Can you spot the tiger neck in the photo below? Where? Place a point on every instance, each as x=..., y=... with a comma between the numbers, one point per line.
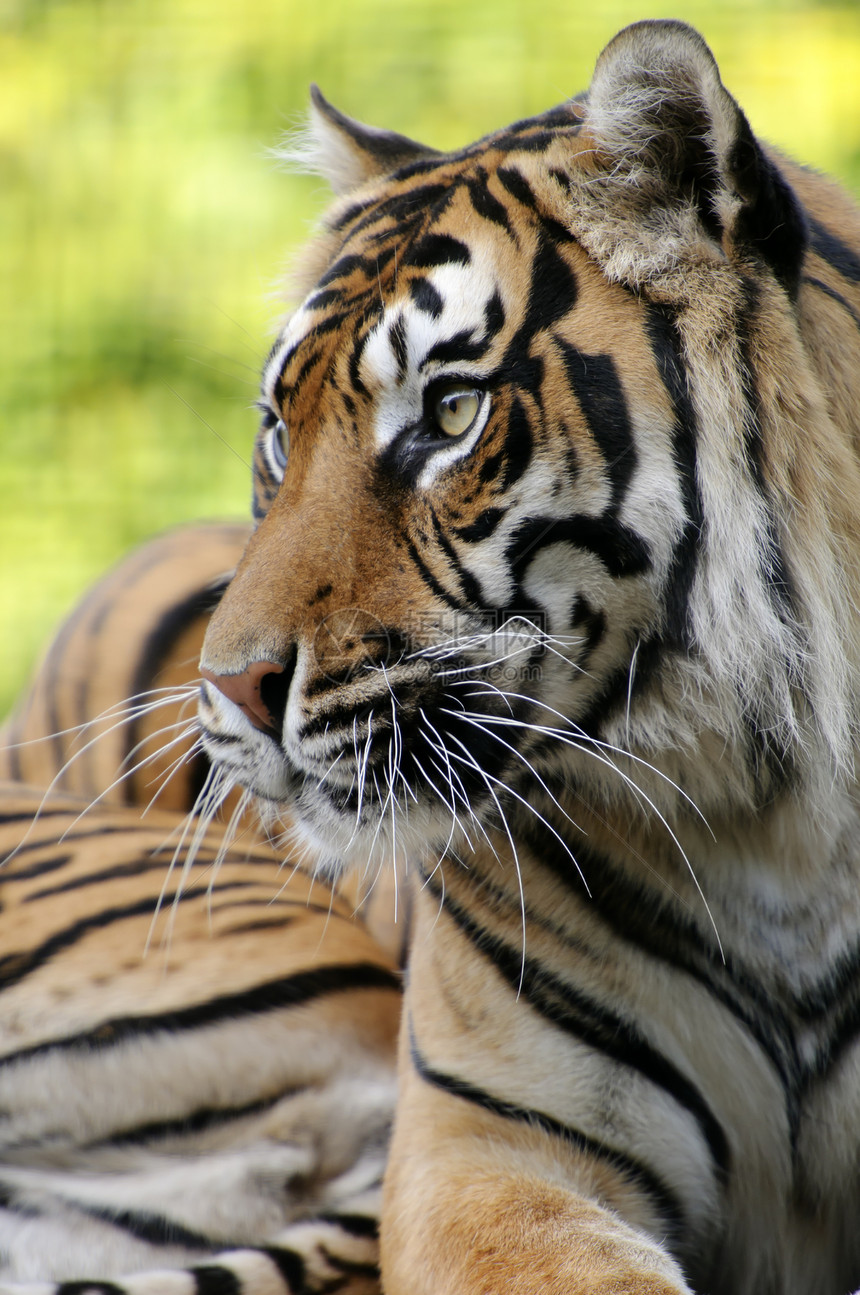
x=774, y=893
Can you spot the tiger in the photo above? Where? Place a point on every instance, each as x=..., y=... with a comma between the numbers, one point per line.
x=110, y=711
x=197, y=1038
x=549, y=613
x=551, y=610
x=229, y=1092
x=109, y=715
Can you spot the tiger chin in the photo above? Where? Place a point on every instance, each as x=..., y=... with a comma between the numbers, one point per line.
x=553, y=603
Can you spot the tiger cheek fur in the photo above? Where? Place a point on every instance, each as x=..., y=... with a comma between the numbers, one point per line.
x=549, y=601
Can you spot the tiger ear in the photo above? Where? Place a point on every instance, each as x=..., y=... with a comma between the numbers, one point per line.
x=348, y=154
x=670, y=168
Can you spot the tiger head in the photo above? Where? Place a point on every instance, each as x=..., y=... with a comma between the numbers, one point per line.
x=551, y=499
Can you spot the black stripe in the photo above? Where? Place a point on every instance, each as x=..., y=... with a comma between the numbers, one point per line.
x=560, y=117
x=600, y=395
x=155, y=1229
x=25, y=815
x=485, y=203
x=591, y=622
x=89, y=1288
x=342, y=268
x=831, y=248
x=642, y=917
x=292, y=1268
x=136, y=868
x=269, y=902
x=668, y=356
x=843, y=1036
x=274, y=995
x=617, y=688
x=352, y=1267
x=427, y=575
x=311, y=361
x=622, y=551
x=576, y=1014
x=494, y=317
x=468, y=583
x=337, y=719
x=355, y=362
x=270, y=924
x=10, y=1200
x=437, y=249
x=553, y=289
x=836, y=296
x=279, y=393
x=397, y=341
x=636, y=1173
x=417, y=199
x=518, y=445
x=517, y=185
x=215, y=1279
x=407, y=210
x=265, y=486
x=346, y=218
x=457, y=348
x=15, y=967
x=536, y=141
x=85, y=833
x=773, y=565
x=426, y=297
x=318, y=301
x=771, y=217
x=328, y=324
x=357, y=1225
x=154, y=860
x=198, y=1121
x=481, y=529
x=40, y=869
x=157, y=648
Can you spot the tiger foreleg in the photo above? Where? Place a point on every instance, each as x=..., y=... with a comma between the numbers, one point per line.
x=474, y=1207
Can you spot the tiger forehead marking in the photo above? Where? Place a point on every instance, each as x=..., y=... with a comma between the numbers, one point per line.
x=420, y=297
x=408, y=300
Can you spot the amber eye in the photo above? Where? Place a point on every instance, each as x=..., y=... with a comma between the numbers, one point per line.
x=455, y=408
x=279, y=439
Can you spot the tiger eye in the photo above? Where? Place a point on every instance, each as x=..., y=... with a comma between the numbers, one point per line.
x=281, y=442
x=456, y=408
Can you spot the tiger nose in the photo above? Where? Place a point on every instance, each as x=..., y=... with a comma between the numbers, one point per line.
x=257, y=691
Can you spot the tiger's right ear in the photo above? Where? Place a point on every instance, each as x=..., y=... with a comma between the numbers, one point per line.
x=670, y=174
x=346, y=153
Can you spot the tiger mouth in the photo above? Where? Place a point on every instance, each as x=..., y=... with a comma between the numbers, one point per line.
x=437, y=749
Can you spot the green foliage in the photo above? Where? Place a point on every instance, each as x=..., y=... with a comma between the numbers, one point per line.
x=143, y=228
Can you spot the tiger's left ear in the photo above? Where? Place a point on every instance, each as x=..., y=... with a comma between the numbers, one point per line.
x=670, y=173
x=348, y=154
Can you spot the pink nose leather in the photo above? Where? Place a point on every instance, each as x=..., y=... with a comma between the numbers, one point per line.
x=244, y=690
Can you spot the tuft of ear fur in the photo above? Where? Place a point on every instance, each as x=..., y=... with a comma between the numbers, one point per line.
x=344, y=152
x=670, y=170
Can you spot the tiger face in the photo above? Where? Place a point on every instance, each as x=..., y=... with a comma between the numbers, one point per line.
x=489, y=571
x=455, y=547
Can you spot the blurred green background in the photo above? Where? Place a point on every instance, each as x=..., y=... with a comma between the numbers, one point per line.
x=143, y=226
